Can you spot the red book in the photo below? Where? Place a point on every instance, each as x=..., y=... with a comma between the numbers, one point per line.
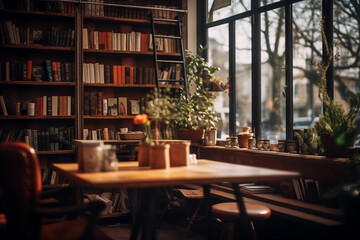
x=144, y=42
x=28, y=70
x=54, y=71
x=119, y=78
x=115, y=73
x=108, y=41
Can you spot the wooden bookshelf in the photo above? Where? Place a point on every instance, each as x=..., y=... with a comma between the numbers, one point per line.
x=36, y=21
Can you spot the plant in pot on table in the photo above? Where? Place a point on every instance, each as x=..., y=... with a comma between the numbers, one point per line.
x=196, y=112
x=336, y=127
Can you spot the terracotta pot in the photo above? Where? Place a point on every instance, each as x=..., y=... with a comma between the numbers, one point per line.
x=210, y=137
x=143, y=155
x=159, y=156
x=179, y=153
x=243, y=140
x=330, y=148
x=195, y=136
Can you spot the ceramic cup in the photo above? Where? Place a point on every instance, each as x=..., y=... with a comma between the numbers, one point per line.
x=266, y=144
x=260, y=144
x=281, y=145
x=251, y=143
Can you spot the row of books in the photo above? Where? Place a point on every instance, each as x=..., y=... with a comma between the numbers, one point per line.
x=50, y=139
x=308, y=190
x=49, y=176
x=115, y=201
x=126, y=12
x=54, y=106
x=12, y=34
x=95, y=104
x=53, y=36
x=91, y=9
x=100, y=134
x=47, y=6
x=25, y=71
x=131, y=41
x=43, y=106
x=117, y=74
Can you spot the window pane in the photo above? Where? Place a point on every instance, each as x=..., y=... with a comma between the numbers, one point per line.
x=218, y=55
x=273, y=74
x=219, y=9
x=347, y=69
x=307, y=48
x=243, y=74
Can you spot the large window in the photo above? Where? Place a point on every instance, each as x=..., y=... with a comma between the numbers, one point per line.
x=262, y=52
x=218, y=55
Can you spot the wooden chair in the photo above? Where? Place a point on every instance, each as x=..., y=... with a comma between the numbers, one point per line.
x=20, y=184
x=229, y=213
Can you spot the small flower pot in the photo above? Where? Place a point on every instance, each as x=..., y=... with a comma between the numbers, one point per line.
x=179, y=153
x=159, y=156
x=243, y=140
x=143, y=155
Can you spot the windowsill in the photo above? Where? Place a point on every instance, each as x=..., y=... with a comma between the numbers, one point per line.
x=310, y=166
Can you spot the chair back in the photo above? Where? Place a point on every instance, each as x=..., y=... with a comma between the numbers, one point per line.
x=20, y=183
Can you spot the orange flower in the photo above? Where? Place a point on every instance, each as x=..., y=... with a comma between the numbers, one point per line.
x=141, y=119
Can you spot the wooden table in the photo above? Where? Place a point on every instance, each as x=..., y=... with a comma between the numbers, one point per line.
x=204, y=172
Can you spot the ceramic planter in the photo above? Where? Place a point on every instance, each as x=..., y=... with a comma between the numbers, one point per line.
x=143, y=155
x=210, y=137
x=179, y=153
x=195, y=136
x=159, y=156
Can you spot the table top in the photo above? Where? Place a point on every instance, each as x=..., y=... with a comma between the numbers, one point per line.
x=130, y=175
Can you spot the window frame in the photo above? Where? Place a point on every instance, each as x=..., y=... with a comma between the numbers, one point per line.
x=254, y=14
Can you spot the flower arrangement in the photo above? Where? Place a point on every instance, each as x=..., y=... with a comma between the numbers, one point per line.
x=161, y=107
x=143, y=119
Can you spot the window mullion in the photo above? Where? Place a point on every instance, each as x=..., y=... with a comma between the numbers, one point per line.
x=289, y=71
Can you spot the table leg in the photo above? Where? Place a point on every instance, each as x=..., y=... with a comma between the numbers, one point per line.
x=207, y=206
x=149, y=230
x=245, y=221
x=145, y=216
x=138, y=216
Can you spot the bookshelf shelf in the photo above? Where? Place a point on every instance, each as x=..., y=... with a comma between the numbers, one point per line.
x=36, y=83
x=125, y=20
x=36, y=47
x=112, y=85
x=107, y=117
x=61, y=152
x=133, y=53
x=22, y=117
x=36, y=13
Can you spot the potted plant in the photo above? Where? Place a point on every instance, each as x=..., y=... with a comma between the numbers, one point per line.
x=310, y=142
x=336, y=127
x=196, y=112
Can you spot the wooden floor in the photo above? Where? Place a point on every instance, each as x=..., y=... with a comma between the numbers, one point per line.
x=168, y=230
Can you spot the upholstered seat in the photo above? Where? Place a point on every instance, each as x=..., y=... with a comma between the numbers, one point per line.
x=20, y=184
